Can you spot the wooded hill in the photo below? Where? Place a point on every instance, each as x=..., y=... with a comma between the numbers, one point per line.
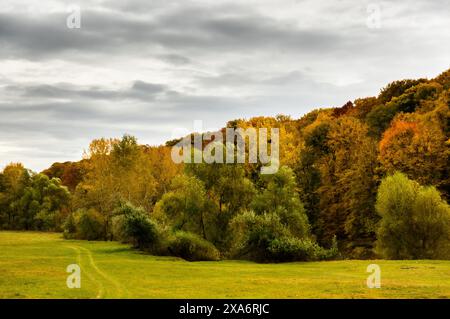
x=372, y=176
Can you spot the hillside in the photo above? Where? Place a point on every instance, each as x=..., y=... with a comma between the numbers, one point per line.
x=333, y=161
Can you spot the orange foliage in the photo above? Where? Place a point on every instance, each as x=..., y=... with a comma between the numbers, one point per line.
x=398, y=128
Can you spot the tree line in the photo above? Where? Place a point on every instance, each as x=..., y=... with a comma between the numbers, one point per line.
x=368, y=179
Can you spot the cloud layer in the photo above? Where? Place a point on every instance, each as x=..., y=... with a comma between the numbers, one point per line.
x=148, y=67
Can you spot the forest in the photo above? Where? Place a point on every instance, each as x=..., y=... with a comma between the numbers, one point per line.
x=366, y=180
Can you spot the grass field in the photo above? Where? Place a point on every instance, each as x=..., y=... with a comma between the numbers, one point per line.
x=33, y=265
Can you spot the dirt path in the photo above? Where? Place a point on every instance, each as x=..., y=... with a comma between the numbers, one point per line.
x=101, y=279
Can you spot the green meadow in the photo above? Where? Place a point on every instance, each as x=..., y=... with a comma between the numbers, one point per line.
x=33, y=265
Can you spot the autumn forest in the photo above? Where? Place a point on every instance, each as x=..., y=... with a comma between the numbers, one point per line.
x=366, y=180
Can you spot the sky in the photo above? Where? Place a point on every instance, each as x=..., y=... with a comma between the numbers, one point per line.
x=151, y=67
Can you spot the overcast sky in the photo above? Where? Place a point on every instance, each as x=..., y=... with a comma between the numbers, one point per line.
x=147, y=67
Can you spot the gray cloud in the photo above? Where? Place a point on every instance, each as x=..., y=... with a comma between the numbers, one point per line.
x=185, y=28
x=139, y=90
x=175, y=59
x=191, y=27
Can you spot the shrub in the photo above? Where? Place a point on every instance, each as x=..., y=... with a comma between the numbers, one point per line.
x=192, y=247
x=290, y=249
x=253, y=233
x=328, y=254
x=132, y=224
x=44, y=220
x=294, y=249
x=265, y=238
x=90, y=225
x=141, y=230
x=118, y=230
x=69, y=227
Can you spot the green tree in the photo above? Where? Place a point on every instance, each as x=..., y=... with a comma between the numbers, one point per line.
x=415, y=221
x=280, y=197
x=397, y=88
x=308, y=174
x=47, y=204
x=43, y=204
x=411, y=99
x=186, y=207
x=226, y=184
x=230, y=191
x=277, y=217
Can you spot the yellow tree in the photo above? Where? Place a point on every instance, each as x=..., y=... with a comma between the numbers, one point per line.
x=98, y=186
x=117, y=171
x=14, y=179
x=163, y=168
x=348, y=184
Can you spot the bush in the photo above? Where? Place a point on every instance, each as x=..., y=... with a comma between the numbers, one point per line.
x=118, y=230
x=290, y=249
x=192, y=247
x=294, y=249
x=69, y=227
x=265, y=238
x=84, y=224
x=133, y=224
x=330, y=253
x=45, y=220
x=142, y=230
x=252, y=235
x=90, y=225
